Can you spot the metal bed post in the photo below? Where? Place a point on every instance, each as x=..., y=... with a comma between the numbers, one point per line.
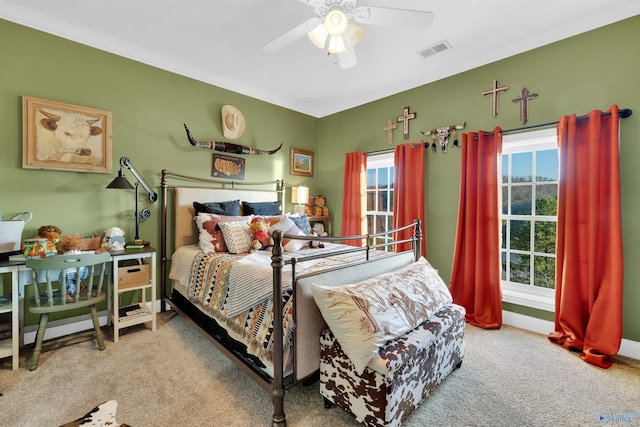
x=163, y=242
x=417, y=242
x=277, y=387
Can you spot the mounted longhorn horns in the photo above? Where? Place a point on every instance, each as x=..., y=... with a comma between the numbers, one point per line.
x=442, y=135
x=228, y=147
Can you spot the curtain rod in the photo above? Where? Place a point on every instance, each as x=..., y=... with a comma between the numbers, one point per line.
x=386, y=150
x=623, y=113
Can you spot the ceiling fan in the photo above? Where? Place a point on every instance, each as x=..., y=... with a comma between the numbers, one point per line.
x=334, y=27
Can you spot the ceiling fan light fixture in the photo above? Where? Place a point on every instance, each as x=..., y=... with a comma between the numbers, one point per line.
x=318, y=36
x=337, y=44
x=336, y=22
x=353, y=34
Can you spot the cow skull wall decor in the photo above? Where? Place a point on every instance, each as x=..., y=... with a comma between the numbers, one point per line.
x=442, y=136
x=228, y=147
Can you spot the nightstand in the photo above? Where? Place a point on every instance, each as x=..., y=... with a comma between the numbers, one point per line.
x=132, y=270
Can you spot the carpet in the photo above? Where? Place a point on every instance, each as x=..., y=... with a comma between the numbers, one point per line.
x=101, y=416
x=175, y=377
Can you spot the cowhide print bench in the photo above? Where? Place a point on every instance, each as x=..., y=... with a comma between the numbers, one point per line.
x=384, y=387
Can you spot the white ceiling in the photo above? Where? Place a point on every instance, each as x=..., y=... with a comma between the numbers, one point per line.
x=219, y=41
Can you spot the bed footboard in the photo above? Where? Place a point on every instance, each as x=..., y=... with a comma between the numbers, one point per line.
x=339, y=275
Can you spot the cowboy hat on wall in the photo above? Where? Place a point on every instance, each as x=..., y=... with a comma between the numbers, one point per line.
x=233, y=122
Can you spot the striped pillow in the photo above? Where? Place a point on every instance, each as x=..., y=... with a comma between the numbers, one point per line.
x=287, y=226
x=237, y=236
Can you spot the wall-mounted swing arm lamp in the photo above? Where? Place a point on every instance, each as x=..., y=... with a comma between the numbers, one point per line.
x=121, y=183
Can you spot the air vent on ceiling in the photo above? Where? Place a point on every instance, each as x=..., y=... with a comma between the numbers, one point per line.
x=435, y=48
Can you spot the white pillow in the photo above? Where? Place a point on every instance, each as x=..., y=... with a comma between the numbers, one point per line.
x=237, y=236
x=287, y=226
x=363, y=316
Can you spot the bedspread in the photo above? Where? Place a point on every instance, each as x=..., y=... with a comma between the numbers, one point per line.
x=208, y=288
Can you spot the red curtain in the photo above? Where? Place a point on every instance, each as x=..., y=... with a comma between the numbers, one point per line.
x=475, y=275
x=408, y=192
x=354, y=220
x=589, y=264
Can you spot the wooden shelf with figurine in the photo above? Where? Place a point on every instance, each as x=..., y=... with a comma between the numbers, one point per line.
x=319, y=216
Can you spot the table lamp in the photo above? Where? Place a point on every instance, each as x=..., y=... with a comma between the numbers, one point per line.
x=121, y=183
x=300, y=198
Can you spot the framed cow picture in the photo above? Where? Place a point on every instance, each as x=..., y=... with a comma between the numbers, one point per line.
x=65, y=137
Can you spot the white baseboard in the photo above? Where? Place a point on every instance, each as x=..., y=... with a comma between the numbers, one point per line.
x=60, y=328
x=628, y=348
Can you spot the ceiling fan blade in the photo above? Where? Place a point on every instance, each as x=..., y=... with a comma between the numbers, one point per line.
x=392, y=17
x=291, y=35
x=347, y=59
x=420, y=5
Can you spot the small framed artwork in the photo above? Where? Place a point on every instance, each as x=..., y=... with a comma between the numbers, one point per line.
x=65, y=137
x=227, y=167
x=301, y=162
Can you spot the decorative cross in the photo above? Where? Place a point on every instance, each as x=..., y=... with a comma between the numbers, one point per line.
x=524, y=99
x=494, y=92
x=390, y=126
x=405, y=117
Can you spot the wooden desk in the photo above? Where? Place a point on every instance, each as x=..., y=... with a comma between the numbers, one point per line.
x=10, y=346
x=20, y=277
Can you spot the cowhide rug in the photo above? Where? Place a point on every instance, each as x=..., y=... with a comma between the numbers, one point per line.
x=100, y=416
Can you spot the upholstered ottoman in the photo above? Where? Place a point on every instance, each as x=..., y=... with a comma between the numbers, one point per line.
x=401, y=376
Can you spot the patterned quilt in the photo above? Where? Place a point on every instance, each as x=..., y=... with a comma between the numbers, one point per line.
x=209, y=288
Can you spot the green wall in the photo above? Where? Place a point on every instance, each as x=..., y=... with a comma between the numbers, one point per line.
x=589, y=71
x=149, y=108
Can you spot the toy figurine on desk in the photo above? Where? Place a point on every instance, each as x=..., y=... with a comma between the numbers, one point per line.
x=44, y=245
x=52, y=234
x=113, y=239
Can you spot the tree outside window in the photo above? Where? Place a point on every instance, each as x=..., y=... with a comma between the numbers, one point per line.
x=529, y=213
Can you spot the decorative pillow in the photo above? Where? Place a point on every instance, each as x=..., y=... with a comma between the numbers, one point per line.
x=287, y=226
x=273, y=219
x=237, y=236
x=261, y=208
x=210, y=237
x=302, y=222
x=230, y=208
x=363, y=316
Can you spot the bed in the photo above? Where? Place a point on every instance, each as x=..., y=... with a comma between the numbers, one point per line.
x=229, y=297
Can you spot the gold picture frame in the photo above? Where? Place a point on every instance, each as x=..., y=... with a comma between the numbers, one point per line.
x=301, y=162
x=59, y=136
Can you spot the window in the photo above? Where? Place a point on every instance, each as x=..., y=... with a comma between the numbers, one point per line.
x=380, y=176
x=529, y=196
